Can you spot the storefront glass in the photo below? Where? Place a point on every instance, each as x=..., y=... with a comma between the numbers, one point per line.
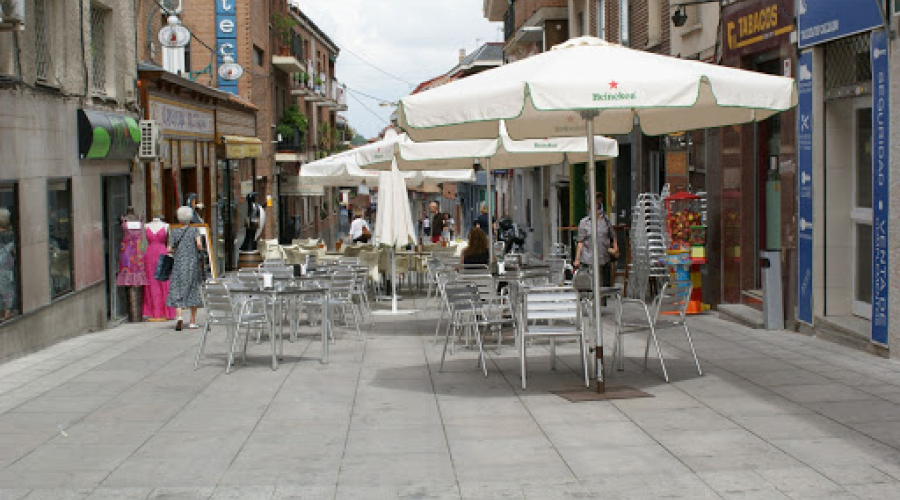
x=61, y=243
x=10, y=289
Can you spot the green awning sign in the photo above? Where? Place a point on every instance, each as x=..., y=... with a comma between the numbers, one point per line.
x=107, y=136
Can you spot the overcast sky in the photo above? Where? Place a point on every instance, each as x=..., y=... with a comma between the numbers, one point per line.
x=390, y=46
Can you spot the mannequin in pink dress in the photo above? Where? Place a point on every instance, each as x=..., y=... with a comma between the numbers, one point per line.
x=155, y=291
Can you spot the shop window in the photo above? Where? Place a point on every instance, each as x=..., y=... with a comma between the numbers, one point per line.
x=624, y=23
x=601, y=19
x=10, y=282
x=61, y=243
x=847, y=65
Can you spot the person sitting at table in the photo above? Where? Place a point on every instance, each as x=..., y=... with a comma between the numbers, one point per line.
x=476, y=252
x=359, y=229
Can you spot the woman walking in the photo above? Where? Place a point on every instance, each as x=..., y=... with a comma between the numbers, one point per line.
x=184, y=284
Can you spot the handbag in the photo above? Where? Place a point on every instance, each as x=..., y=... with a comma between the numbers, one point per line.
x=583, y=280
x=164, y=265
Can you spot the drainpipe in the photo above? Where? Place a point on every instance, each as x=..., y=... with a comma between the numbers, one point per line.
x=571, y=13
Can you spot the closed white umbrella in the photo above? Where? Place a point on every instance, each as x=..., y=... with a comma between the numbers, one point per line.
x=590, y=85
x=393, y=221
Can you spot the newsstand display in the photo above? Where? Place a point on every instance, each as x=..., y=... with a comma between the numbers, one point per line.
x=686, y=225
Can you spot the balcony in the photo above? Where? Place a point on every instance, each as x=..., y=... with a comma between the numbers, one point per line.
x=288, y=57
x=339, y=96
x=300, y=84
x=291, y=149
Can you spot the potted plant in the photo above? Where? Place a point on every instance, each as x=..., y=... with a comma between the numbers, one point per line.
x=283, y=26
x=292, y=121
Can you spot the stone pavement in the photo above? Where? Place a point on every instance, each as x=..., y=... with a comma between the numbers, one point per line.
x=121, y=414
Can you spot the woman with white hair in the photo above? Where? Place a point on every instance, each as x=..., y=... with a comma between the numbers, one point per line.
x=184, y=283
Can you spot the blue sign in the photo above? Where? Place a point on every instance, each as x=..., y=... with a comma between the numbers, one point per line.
x=823, y=20
x=880, y=192
x=805, y=187
x=226, y=38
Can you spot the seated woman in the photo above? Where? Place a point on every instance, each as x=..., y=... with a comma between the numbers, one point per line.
x=476, y=251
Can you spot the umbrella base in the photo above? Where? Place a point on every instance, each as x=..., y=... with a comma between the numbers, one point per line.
x=390, y=312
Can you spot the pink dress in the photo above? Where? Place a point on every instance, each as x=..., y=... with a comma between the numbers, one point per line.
x=155, y=291
x=131, y=261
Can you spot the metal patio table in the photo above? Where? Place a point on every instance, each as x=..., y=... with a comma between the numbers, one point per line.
x=277, y=295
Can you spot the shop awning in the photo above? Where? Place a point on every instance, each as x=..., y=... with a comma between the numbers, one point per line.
x=238, y=146
x=107, y=136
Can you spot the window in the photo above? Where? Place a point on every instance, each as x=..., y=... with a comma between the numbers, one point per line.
x=654, y=23
x=624, y=23
x=99, y=24
x=258, y=56
x=10, y=287
x=580, y=27
x=41, y=40
x=61, y=244
x=861, y=213
x=601, y=19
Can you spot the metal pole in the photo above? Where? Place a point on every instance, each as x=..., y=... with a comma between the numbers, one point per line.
x=589, y=116
x=489, y=197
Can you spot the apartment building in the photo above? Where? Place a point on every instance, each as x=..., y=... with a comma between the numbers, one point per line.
x=68, y=136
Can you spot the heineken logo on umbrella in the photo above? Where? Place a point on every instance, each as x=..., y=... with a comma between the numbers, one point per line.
x=613, y=95
x=546, y=145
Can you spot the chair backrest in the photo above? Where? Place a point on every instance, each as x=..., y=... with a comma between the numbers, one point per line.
x=460, y=294
x=353, y=250
x=343, y=283
x=557, y=270
x=551, y=303
x=485, y=282
x=217, y=301
x=349, y=260
x=673, y=300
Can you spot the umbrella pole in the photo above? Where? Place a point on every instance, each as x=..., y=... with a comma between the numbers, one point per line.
x=589, y=116
x=393, y=279
x=489, y=198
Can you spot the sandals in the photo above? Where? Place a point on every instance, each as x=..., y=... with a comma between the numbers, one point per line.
x=193, y=326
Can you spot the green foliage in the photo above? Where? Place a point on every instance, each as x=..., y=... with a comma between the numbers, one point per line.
x=291, y=120
x=283, y=25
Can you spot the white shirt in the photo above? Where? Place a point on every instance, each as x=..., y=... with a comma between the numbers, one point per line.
x=356, y=228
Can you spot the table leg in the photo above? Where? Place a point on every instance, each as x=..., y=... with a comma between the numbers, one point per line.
x=272, y=331
x=326, y=320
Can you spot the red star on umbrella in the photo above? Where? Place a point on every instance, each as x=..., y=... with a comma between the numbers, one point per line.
x=613, y=84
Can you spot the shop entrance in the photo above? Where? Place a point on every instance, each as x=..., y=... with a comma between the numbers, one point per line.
x=116, y=198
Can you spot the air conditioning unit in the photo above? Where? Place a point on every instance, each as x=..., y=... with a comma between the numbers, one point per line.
x=149, y=148
x=12, y=15
x=172, y=6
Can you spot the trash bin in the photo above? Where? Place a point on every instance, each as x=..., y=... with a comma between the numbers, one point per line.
x=773, y=308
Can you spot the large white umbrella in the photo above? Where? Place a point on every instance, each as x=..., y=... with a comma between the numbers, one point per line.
x=590, y=85
x=393, y=221
x=502, y=153
x=340, y=169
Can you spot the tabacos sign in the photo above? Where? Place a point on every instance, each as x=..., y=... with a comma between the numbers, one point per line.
x=761, y=25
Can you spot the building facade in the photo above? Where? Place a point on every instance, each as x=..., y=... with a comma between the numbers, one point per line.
x=68, y=105
x=844, y=145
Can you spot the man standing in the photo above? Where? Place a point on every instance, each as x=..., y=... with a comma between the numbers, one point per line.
x=437, y=222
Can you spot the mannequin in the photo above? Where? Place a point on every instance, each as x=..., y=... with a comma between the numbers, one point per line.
x=155, y=291
x=132, y=273
x=253, y=224
x=193, y=203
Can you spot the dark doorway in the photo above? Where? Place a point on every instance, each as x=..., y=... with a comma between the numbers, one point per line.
x=116, y=198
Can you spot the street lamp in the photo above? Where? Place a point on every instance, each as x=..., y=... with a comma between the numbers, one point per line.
x=680, y=17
